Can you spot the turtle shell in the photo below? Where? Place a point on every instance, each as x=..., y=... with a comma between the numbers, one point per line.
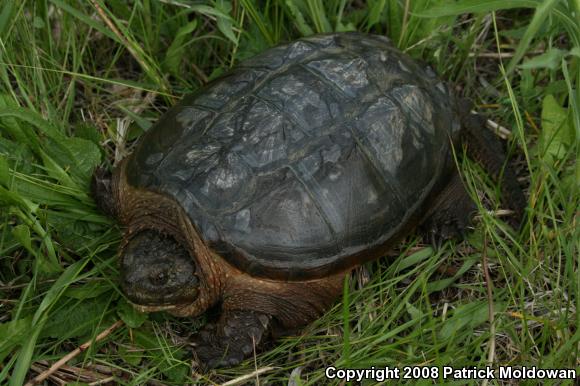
x=306, y=157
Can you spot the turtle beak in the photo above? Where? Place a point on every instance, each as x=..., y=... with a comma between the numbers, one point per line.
x=156, y=271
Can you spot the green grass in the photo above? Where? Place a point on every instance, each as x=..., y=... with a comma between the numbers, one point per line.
x=79, y=81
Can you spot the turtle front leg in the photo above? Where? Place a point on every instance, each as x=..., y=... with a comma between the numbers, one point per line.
x=233, y=338
x=253, y=310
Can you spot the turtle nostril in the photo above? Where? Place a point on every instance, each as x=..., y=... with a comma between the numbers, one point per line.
x=158, y=278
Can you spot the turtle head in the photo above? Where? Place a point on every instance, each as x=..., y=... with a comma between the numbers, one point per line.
x=157, y=272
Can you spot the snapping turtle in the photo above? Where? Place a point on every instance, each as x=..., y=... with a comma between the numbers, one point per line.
x=258, y=193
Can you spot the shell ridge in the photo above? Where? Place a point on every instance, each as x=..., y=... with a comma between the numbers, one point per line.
x=316, y=203
x=198, y=134
x=203, y=107
x=405, y=111
x=265, y=164
x=419, y=121
x=232, y=103
x=384, y=174
x=407, y=107
x=283, y=113
x=327, y=82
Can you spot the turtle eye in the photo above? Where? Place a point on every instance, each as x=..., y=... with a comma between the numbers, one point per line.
x=157, y=270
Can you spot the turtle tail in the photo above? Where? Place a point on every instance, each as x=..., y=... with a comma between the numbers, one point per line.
x=486, y=149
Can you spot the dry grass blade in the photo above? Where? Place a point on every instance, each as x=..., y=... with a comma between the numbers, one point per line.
x=249, y=376
x=83, y=347
x=498, y=130
x=67, y=374
x=141, y=103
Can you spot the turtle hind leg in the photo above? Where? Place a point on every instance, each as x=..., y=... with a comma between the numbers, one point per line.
x=450, y=214
x=102, y=191
x=487, y=150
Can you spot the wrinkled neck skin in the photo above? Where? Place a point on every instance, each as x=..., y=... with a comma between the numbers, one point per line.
x=141, y=210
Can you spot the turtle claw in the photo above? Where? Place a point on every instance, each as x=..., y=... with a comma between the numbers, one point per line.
x=232, y=340
x=450, y=228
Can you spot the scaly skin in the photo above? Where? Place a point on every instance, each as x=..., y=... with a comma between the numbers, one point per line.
x=251, y=308
x=486, y=149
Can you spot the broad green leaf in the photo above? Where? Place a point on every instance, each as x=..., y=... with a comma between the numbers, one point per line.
x=75, y=318
x=394, y=19
x=550, y=59
x=466, y=315
x=88, y=132
x=175, y=51
x=130, y=315
x=176, y=372
x=86, y=154
x=557, y=133
x=225, y=27
x=575, y=52
x=76, y=155
x=19, y=156
x=12, y=334
x=476, y=239
x=131, y=355
x=224, y=23
x=79, y=235
x=209, y=11
x=144, y=338
x=515, y=33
